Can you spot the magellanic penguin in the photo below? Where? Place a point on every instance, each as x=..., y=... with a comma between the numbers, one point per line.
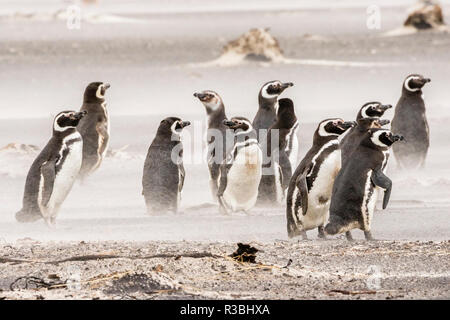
x=371, y=111
x=54, y=171
x=355, y=188
x=410, y=119
x=215, y=135
x=163, y=177
x=309, y=192
x=267, y=116
x=94, y=128
x=240, y=172
x=277, y=169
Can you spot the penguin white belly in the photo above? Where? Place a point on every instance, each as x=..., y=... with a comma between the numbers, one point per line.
x=319, y=195
x=369, y=201
x=292, y=146
x=65, y=178
x=243, y=179
x=280, y=193
x=294, y=152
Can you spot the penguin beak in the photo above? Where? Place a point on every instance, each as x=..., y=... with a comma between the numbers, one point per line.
x=80, y=115
x=383, y=122
x=228, y=123
x=384, y=107
x=397, y=137
x=347, y=125
x=427, y=80
x=106, y=86
x=286, y=85
x=200, y=96
x=184, y=124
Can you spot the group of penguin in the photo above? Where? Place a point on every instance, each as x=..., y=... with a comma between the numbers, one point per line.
x=334, y=187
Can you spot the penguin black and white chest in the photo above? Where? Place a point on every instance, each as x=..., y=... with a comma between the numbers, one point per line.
x=94, y=128
x=163, y=176
x=366, y=118
x=267, y=116
x=215, y=135
x=309, y=192
x=240, y=172
x=277, y=169
x=410, y=121
x=54, y=171
x=355, y=188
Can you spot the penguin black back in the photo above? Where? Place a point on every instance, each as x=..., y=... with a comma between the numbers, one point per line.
x=163, y=176
x=410, y=120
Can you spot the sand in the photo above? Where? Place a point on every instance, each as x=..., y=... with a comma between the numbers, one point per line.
x=154, y=67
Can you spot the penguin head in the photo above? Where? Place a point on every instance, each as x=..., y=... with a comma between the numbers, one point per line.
x=239, y=125
x=272, y=89
x=172, y=126
x=371, y=122
x=372, y=109
x=210, y=99
x=67, y=120
x=286, y=113
x=96, y=91
x=414, y=83
x=382, y=138
x=333, y=127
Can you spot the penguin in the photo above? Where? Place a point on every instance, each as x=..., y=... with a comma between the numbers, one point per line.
x=267, y=116
x=355, y=189
x=372, y=110
x=54, y=171
x=267, y=98
x=240, y=172
x=309, y=192
x=94, y=128
x=215, y=135
x=277, y=169
x=163, y=176
x=410, y=119
x=352, y=139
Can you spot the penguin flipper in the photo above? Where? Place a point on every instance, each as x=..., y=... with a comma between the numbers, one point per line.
x=286, y=169
x=223, y=180
x=303, y=188
x=182, y=175
x=48, y=173
x=381, y=180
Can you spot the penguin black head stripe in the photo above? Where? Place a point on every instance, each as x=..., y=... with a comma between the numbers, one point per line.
x=67, y=120
x=372, y=109
x=272, y=89
x=239, y=124
x=96, y=91
x=382, y=138
x=333, y=127
x=172, y=125
x=415, y=82
x=210, y=99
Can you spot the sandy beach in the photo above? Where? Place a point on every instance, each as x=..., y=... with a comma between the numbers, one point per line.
x=154, y=61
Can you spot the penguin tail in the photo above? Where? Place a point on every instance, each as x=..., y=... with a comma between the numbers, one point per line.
x=24, y=216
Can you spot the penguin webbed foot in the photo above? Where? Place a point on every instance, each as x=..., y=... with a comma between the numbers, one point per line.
x=321, y=232
x=368, y=236
x=349, y=236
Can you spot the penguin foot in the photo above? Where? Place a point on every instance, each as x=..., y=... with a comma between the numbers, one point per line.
x=304, y=235
x=322, y=234
x=349, y=236
x=24, y=217
x=369, y=236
